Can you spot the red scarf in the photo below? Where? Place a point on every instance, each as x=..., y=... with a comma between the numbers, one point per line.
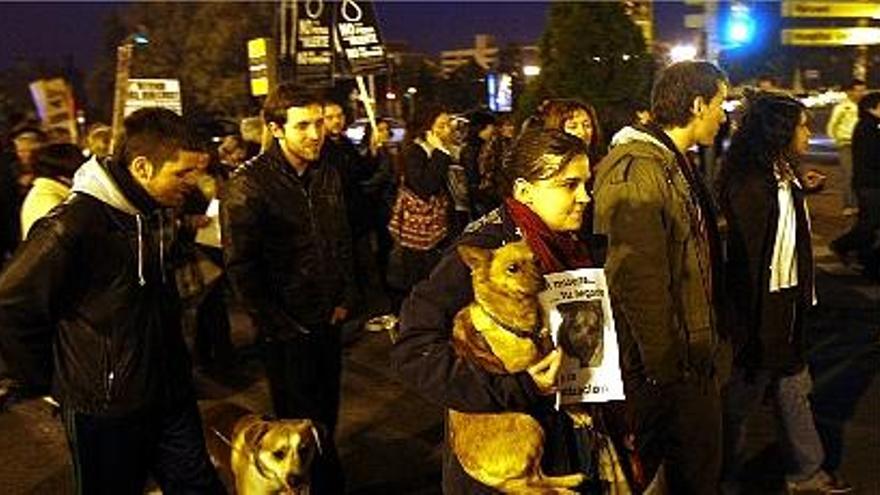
x=556, y=251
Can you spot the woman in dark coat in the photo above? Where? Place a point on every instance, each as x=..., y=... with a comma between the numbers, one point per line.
x=545, y=195
x=770, y=285
x=426, y=161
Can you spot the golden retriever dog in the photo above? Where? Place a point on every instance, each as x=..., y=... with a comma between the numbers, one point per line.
x=265, y=456
x=501, y=331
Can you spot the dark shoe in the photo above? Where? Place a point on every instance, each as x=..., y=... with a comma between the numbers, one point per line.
x=844, y=256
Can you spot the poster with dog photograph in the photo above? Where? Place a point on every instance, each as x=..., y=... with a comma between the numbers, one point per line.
x=577, y=310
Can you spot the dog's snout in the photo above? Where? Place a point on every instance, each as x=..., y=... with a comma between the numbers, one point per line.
x=295, y=481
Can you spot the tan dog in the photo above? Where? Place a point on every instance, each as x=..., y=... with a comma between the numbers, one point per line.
x=264, y=456
x=501, y=331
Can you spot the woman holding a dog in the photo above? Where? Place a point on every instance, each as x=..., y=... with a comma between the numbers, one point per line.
x=543, y=182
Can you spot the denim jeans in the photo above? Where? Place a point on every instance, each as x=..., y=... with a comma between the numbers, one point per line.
x=791, y=409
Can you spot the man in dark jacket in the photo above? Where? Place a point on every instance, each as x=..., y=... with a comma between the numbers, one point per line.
x=864, y=237
x=663, y=266
x=340, y=153
x=93, y=286
x=288, y=254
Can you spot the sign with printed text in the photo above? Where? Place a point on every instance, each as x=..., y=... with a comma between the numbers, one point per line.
x=55, y=106
x=359, y=39
x=831, y=9
x=151, y=93
x=577, y=310
x=313, y=46
x=855, y=36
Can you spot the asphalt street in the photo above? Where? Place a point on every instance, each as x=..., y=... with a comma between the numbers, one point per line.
x=390, y=438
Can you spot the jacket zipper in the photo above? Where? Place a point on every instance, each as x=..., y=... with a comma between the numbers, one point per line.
x=109, y=374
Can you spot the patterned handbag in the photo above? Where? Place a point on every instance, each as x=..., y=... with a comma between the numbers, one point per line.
x=417, y=223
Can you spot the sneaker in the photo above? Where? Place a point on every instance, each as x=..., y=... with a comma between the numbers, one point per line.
x=838, y=484
x=821, y=483
x=381, y=323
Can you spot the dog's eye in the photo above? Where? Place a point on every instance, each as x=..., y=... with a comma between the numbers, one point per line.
x=279, y=454
x=511, y=269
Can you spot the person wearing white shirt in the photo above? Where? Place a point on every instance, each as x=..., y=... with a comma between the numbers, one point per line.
x=840, y=128
x=770, y=288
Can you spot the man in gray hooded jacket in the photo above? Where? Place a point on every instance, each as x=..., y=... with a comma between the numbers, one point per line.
x=88, y=302
x=663, y=268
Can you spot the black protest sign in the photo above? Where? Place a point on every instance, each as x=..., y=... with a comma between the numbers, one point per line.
x=359, y=38
x=313, y=50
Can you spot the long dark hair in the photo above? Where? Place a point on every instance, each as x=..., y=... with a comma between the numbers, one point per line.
x=763, y=138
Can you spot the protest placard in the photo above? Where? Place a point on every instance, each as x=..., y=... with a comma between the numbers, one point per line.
x=577, y=310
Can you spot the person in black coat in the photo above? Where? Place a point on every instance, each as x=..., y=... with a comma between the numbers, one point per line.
x=89, y=303
x=770, y=285
x=288, y=253
x=481, y=128
x=544, y=199
x=864, y=237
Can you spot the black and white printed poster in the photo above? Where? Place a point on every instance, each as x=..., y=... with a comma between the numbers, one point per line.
x=360, y=41
x=577, y=310
x=313, y=49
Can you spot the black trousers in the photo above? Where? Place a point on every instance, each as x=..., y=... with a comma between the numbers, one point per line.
x=115, y=455
x=678, y=426
x=304, y=375
x=863, y=236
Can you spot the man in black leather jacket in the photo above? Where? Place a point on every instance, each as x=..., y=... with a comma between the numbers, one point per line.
x=288, y=254
x=93, y=286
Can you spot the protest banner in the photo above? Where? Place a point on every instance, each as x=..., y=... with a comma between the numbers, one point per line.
x=577, y=310
x=56, y=108
x=312, y=43
x=359, y=39
x=152, y=93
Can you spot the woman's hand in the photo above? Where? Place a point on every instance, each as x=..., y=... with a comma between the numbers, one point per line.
x=545, y=372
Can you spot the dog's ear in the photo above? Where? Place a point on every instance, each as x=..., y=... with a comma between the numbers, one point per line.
x=317, y=431
x=254, y=435
x=474, y=257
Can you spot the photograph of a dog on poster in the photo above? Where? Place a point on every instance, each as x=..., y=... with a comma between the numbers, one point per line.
x=581, y=331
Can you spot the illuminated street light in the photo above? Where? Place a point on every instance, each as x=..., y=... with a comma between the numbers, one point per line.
x=411, y=90
x=680, y=53
x=390, y=95
x=531, y=70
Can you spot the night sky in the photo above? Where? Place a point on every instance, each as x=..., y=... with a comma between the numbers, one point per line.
x=54, y=30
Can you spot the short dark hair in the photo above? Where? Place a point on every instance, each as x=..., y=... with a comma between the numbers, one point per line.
x=868, y=102
x=525, y=159
x=157, y=134
x=288, y=95
x=479, y=120
x=58, y=160
x=853, y=83
x=424, y=119
x=676, y=88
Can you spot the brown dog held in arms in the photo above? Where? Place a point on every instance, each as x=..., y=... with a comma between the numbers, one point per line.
x=501, y=331
x=264, y=456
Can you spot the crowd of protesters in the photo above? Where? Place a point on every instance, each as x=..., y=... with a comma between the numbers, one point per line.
x=104, y=255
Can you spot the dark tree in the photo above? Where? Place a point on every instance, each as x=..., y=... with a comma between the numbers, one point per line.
x=591, y=51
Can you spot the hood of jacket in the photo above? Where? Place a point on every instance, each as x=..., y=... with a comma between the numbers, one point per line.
x=95, y=180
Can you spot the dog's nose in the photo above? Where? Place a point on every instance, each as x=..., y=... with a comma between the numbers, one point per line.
x=294, y=481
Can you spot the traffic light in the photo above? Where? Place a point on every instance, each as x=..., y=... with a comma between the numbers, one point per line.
x=740, y=27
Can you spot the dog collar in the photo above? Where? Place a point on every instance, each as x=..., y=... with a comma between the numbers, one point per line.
x=532, y=333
